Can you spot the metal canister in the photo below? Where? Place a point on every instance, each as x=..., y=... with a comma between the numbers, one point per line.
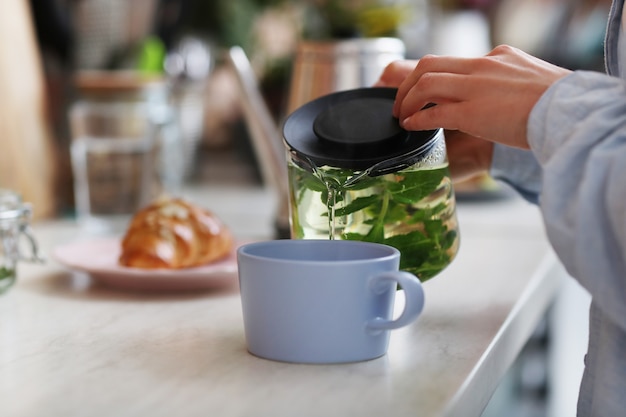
x=324, y=67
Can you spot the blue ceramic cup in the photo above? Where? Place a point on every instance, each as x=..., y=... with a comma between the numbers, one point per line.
x=323, y=301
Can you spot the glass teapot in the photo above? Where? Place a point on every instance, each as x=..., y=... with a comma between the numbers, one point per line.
x=355, y=174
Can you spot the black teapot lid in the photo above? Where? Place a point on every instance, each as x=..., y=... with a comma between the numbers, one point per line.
x=353, y=129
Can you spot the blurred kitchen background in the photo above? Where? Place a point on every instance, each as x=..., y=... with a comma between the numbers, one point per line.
x=174, y=52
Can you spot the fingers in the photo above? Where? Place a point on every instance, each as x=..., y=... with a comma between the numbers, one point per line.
x=427, y=65
x=395, y=73
x=437, y=88
x=435, y=117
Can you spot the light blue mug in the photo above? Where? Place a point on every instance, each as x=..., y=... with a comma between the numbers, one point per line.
x=323, y=301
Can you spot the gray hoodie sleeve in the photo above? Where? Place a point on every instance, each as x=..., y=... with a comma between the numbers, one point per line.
x=577, y=132
x=519, y=169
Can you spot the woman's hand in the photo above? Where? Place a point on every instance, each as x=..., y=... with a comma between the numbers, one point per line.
x=468, y=156
x=488, y=97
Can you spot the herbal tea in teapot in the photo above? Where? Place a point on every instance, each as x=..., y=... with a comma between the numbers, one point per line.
x=381, y=185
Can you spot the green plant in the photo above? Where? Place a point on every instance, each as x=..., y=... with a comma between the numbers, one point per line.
x=354, y=18
x=6, y=273
x=396, y=209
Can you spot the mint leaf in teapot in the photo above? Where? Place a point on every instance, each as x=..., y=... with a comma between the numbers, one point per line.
x=412, y=210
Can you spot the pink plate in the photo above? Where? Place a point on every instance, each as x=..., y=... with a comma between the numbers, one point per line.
x=98, y=257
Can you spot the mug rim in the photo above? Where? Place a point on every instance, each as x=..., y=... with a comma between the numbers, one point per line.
x=385, y=252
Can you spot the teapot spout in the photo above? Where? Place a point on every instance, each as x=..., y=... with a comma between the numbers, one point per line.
x=266, y=137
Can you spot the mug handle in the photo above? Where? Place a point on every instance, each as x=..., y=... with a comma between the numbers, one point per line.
x=414, y=295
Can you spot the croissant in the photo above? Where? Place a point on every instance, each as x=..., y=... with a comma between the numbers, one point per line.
x=173, y=233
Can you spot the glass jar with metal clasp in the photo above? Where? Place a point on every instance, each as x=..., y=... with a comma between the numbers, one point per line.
x=15, y=218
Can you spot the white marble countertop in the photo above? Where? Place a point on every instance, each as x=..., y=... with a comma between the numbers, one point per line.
x=70, y=346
